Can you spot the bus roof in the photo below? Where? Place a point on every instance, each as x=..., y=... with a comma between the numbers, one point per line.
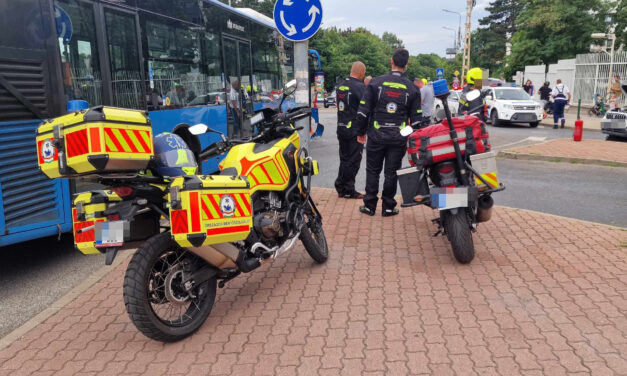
x=247, y=13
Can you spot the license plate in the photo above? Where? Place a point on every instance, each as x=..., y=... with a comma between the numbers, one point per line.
x=449, y=198
x=109, y=234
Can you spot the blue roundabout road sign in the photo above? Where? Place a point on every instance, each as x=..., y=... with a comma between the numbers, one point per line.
x=298, y=20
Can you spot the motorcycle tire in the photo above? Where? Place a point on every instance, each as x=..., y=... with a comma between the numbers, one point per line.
x=457, y=228
x=313, y=238
x=147, y=269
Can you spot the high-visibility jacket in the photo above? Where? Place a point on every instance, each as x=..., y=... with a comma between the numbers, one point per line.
x=348, y=95
x=392, y=102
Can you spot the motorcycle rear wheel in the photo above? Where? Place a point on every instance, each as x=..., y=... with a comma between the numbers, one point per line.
x=457, y=227
x=313, y=238
x=151, y=291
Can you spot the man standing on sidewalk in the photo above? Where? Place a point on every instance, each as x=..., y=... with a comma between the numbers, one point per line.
x=349, y=94
x=561, y=97
x=391, y=101
x=428, y=100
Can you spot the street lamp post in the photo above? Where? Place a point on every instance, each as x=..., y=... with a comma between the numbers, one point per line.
x=459, y=30
x=454, y=39
x=612, y=37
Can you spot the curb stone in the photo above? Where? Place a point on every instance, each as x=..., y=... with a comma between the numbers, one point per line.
x=546, y=158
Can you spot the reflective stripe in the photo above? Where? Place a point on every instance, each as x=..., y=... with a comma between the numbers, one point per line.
x=419, y=112
x=403, y=125
x=344, y=88
x=462, y=102
x=395, y=85
x=350, y=124
x=434, y=140
x=362, y=102
x=376, y=125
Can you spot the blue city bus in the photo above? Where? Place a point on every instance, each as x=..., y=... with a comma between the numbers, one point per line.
x=184, y=61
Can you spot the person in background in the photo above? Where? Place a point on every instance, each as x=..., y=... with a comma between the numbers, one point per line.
x=235, y=107
x=529, y=88
x=428, y=100
x=393, y=101
x=615, y=94
x=561, y=97
x=349, y=94
x=176, y=98
x=545, y=95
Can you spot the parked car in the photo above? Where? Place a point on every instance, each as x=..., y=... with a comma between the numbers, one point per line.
x=330, y=100
x=453, y=105
x=614, y=123
x=512, y=105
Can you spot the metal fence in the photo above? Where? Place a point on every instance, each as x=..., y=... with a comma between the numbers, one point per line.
x=592, y=75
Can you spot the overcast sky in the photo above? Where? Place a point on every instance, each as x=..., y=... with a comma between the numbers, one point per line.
x=417, y=22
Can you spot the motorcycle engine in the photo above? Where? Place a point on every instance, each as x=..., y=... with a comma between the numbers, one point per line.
x=269, y=223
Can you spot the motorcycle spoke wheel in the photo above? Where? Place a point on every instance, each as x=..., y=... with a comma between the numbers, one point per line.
x=313, y=238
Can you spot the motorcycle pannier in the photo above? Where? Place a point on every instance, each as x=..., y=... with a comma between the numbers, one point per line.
x=87, y=209
x=433, y=144
x=98, y=140
x=208, y=210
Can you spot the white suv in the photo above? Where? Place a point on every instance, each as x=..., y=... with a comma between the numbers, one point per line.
x=513, y=105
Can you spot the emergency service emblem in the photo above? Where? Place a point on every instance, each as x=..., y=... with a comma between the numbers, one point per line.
x=47, y=151
x=341, y=106
x=227, y=206
x=391, y=108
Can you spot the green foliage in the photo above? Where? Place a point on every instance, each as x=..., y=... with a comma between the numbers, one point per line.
x=340, y=48
x=620, y=17
x=549, y=30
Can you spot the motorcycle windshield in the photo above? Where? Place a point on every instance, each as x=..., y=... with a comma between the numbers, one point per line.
x=177, y=158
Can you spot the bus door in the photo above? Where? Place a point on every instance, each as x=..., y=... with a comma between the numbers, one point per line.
x=239, y=85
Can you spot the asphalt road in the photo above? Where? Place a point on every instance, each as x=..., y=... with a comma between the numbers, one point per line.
x=33, y=275
x=591, y=193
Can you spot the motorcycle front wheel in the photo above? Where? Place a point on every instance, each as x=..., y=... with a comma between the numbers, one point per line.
x=313, y=238
x=154, y=297
x=457, y=227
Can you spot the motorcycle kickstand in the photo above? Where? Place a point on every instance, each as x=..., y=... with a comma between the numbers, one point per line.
x=440, y=231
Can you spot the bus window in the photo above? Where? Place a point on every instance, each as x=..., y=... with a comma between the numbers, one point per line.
x=79, y=54
x=124, y=59
x=174, y=57
x=286, y=59
x=267, y=76
x=215, y=94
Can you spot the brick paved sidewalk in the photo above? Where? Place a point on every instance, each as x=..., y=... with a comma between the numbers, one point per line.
x=546, y=295
x=569, y=150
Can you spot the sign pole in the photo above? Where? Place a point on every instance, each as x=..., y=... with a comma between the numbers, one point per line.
x=302, y=94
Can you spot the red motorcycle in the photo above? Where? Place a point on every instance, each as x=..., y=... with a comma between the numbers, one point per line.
x=453, y=171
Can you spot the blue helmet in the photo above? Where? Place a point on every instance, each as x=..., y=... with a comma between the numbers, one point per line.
x=173, y=157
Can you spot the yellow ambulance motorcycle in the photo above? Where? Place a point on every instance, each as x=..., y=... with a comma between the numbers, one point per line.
x=200, y=231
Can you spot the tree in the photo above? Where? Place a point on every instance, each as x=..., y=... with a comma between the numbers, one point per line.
x=392, y=41
x=620, y=18
x=549, y=30
x=489, y=43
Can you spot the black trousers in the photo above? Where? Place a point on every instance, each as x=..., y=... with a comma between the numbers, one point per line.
x=379, y=155
x=351, y=152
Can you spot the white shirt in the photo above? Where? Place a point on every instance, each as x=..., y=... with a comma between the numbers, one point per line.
x=234, y=97
x=560, y=89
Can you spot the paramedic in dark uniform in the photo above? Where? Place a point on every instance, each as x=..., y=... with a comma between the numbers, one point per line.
x=391, y=102
x=349, y=94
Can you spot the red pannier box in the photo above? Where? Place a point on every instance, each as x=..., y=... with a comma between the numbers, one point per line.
x=433, y=144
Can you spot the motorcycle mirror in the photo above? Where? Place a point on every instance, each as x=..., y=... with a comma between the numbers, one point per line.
x=198, y=129
x=406, y=131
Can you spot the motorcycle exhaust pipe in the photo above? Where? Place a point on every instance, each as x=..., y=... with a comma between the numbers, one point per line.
x=484, y=209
